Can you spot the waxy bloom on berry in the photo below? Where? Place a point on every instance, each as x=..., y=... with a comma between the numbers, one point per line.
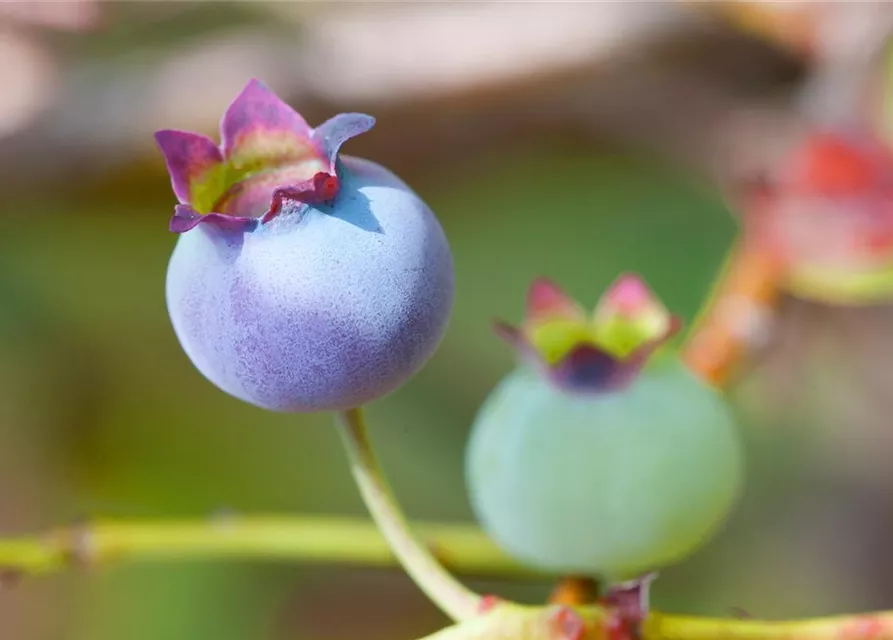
x=302, y=280
x=601, y=454
x=828, y=215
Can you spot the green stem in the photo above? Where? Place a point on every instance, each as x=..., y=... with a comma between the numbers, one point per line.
x=539, y=623
x=326, y=540
x=453, y=598
x=279, y=538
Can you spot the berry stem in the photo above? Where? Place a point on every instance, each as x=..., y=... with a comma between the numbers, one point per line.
x=574, y=591
x=453, y=598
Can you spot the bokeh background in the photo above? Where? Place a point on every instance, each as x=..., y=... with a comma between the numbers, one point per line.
x=574, y=140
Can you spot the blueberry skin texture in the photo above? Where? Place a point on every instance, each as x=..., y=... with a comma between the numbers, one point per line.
x=614, y=484
x=323, y=311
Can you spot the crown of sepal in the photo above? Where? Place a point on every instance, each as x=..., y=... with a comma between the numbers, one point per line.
x=601, y=352
x=268, y=154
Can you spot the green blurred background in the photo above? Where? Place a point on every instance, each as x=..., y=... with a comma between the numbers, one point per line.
x=577, y=166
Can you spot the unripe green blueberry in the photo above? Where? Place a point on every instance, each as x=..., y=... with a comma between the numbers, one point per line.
x=614, y=473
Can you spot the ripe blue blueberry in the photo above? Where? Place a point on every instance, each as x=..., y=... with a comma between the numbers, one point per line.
x=301, y=280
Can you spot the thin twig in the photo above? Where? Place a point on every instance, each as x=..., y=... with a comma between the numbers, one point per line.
x=464, y=549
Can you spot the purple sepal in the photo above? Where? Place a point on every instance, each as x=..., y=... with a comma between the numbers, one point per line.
x=511, y=335
x=188, y=156
x=186, y=218
x=586, y=368
x=517, y=340
x=258, y=111
x=328, y=137
x=589, y=369
x=322, y=187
